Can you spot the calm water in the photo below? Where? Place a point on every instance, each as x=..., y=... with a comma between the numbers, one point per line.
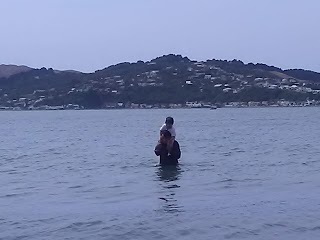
x=244, y=174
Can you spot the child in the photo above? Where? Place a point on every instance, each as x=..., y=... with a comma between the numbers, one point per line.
x=168, y=125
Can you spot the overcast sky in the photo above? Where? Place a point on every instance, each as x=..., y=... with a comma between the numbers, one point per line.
x=87, y=35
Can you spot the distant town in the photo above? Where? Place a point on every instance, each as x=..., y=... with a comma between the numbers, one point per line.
x=20, y=105
x=170, y=81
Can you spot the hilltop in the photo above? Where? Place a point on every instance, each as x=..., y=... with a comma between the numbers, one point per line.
x=170, y=80
x=9, y=70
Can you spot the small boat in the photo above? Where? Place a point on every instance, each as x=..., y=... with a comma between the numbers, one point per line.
x=213, y=107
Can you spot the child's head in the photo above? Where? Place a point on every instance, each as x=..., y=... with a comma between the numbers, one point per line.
x=169, y=122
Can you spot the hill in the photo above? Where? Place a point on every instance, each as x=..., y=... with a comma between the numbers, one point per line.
x=168, y=80
x=9, y=70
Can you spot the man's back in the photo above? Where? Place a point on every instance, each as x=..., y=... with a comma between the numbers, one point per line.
x=168, y=157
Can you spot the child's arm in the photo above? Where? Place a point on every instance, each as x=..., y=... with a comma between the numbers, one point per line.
x=173, y=133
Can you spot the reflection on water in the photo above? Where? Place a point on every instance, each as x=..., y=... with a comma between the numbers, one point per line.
x=169, y=173
x=169, y=176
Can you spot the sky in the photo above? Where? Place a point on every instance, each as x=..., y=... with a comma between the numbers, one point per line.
x=87, y=35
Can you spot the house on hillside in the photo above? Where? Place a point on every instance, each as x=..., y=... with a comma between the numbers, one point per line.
x=193, y=105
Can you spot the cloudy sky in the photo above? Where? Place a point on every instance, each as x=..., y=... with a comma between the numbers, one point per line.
x=87, y=35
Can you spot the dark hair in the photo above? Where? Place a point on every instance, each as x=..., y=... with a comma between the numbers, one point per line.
x=166, y=134
x=169, y=120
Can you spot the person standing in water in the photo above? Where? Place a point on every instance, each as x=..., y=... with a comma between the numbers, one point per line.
x=169, y=155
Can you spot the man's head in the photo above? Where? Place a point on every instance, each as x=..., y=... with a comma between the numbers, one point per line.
x=165, y=137
x=169, y=122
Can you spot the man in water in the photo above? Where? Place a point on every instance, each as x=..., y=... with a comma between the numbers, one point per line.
x=169, y=155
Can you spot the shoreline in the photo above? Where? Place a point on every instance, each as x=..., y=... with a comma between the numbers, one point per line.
x=181, y=108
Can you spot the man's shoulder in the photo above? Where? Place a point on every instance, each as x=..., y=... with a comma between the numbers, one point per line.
x=176, y=143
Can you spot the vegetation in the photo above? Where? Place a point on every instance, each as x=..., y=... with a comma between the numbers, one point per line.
x=164, y=80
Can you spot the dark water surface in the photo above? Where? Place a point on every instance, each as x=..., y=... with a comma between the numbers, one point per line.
x=244, y=174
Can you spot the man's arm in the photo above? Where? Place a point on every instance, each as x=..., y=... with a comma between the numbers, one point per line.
x=175, y=150
x=160, y=149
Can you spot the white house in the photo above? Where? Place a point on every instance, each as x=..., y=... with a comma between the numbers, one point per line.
x=193, y=105
x=227, y=89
